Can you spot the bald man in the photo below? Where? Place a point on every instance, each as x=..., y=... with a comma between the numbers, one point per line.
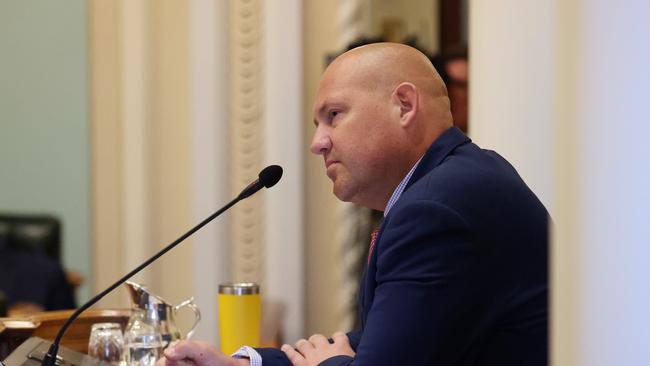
x=457, y=273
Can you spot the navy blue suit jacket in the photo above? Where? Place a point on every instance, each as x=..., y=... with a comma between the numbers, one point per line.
x=459, y=274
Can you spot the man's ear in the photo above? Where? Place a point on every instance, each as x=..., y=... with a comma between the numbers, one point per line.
x=406, y=95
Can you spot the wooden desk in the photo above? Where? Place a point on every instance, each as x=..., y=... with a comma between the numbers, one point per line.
x=48, y=323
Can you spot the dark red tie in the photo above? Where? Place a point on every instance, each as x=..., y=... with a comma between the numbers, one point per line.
x=373, y=239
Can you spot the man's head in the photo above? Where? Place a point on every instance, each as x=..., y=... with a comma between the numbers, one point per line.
x=377, y=110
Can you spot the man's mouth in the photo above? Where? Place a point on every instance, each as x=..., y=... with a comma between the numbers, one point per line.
x=330, y=162
x=330, y=168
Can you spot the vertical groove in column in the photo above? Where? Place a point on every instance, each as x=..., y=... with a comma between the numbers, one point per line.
x=106, y=144
x=246, y=136
x=136, y=94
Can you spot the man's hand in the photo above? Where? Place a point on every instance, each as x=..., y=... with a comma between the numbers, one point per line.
x=197, y=353
x=318, y=349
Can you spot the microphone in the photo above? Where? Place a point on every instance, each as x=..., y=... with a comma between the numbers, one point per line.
x=268, y=177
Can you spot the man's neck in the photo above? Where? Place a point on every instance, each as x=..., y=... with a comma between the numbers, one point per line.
x=397, y=192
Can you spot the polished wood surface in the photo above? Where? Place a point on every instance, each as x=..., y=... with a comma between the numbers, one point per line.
x=15, y=330
x=46, y=325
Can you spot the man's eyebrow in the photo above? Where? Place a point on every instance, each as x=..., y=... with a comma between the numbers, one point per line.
x=321, y=109
x=319, y=112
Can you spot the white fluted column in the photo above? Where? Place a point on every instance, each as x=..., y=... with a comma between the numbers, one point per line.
x=284, y=146
x=246, y=84
x=135, y=118
x=601, y=294
x=210, y=156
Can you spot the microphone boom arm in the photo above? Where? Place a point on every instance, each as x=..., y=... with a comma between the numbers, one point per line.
x=268, y=177
x=50, y=357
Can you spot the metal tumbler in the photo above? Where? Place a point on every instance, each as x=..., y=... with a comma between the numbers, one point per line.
x=239, y=316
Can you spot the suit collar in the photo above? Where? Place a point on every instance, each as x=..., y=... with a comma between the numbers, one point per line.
x=439, y=149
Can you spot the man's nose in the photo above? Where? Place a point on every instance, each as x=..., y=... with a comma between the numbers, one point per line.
x=320, y=143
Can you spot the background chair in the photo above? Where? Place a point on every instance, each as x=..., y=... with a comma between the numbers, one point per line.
x=30, y=264
x=38, y=234
x=3, y=304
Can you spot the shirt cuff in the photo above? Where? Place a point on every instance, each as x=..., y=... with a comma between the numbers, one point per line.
x=250, y=353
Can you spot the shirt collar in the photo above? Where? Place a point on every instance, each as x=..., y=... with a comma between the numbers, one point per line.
x=400, y=188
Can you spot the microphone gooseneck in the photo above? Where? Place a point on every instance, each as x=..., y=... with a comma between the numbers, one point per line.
x=268, y=177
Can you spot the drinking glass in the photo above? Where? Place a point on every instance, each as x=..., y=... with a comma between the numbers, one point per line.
x=142, y=341
x=106, y=342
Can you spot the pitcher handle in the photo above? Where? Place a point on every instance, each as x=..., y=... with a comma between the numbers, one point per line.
x=197, y=314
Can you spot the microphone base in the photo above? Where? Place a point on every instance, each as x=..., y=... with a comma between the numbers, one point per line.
x=34, y=350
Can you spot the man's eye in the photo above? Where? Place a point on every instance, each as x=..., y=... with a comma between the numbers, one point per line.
x=333, y=114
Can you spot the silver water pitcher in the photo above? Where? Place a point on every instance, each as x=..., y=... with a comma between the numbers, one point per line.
x=155, y=311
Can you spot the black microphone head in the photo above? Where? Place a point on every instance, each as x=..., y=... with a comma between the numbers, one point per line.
x=270, y=175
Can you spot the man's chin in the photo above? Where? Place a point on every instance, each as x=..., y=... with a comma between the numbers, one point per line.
x=346, y=193
x=342, y=194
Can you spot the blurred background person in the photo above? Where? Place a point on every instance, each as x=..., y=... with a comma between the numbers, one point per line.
x=453, y=66
x=32, y=282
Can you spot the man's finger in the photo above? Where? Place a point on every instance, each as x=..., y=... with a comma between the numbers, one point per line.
x=181, y=363
x=318, y=340
x=193, y=350
x=296, y=358
x=304, y=346
x=161, y=362
x=171, y=354
x=340, y=338
x=164, y=361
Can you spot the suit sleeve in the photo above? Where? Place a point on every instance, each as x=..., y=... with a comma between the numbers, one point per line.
x=425, y=307
x=354, y=338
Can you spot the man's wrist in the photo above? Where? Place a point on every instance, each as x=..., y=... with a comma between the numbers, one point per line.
x=249, y=354
x=241, y=362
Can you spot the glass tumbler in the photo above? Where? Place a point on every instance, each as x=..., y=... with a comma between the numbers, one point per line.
x=106, y=342
x=142, y=340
